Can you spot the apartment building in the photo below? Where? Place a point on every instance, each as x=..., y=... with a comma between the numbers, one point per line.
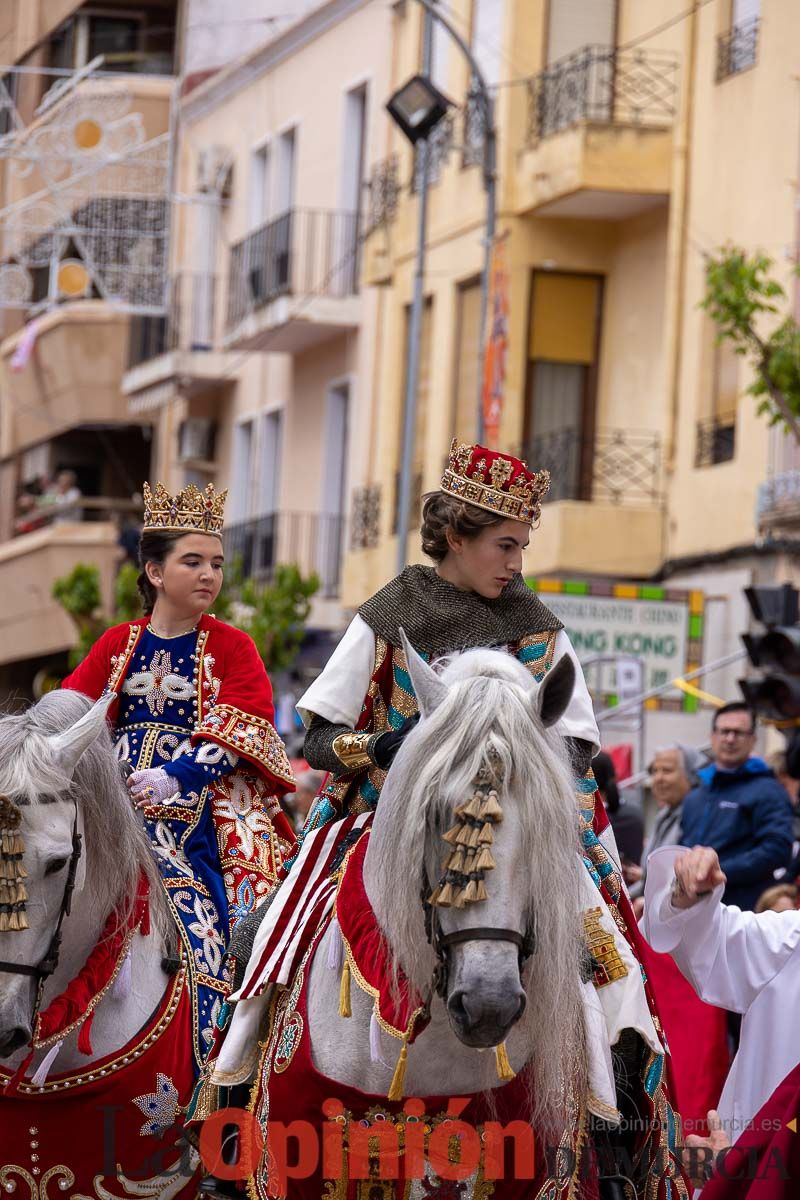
x=86, y=93
x=634, y=137
x=261, y=378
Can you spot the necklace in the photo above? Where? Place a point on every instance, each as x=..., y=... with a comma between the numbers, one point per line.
x=170, y=637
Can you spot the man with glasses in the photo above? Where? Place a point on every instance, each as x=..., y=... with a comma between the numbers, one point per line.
x=739, y=809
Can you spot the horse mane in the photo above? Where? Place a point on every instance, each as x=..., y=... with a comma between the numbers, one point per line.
x=489, y=704
x=116, y=844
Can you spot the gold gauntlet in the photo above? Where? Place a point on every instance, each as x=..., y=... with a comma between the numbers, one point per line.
x=352, y=750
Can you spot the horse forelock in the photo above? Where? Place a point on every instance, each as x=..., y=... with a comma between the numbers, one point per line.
x=116, y=845
x=490, y=705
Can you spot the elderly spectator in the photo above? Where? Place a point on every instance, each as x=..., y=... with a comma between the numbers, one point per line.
x=739, y=809
x=783, y=897
x=696, y=1032
x=673, y=774
x=626, y=819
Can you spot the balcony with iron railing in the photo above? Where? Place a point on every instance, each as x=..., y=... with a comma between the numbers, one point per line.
x=737, y=49
x=604, y=510
x=182, y=344
x=778, y=503
x=599, y=140
x=313, y=542
x=715, y=440
x=294, y=282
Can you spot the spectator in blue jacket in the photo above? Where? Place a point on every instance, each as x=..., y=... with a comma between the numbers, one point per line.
x=740, y=809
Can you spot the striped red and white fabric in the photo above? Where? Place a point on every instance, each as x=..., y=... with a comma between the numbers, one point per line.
x=302, y=901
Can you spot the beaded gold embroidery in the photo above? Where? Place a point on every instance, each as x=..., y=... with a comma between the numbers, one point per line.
x=249, y=735
x=607, y=964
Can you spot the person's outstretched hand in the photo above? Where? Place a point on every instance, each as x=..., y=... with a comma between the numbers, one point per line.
x=697, y=872
x=698, y=1166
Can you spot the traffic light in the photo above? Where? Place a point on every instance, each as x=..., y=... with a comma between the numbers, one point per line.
x=775, y=691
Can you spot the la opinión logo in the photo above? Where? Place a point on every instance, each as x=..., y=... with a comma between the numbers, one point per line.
x=298, y=1149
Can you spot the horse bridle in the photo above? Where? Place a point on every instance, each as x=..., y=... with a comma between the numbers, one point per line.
x=441, y=942
x=44, y=969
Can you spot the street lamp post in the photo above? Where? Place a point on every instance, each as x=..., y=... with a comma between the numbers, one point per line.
x=489, y=181
x=414, y=329
x=481, y=89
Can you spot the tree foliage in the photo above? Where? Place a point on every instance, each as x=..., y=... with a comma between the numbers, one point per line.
x=746, y=302
x=274, y=614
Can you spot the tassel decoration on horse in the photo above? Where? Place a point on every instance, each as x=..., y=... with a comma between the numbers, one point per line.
x=470, y=858
x=399, y=1077
x=13, y=893
x=345, y=1008
x=504, y=1069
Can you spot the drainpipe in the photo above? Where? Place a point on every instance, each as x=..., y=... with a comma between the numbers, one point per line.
x=681, y=240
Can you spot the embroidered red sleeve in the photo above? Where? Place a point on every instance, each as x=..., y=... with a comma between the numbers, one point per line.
x=241, y=716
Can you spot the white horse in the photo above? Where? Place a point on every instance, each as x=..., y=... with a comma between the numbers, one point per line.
x=484, y=700
x=59, y=770
x=512, y=965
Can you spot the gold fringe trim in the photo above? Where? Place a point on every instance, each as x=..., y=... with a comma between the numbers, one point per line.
x=504, y=1069
x=345, y=1008
x=399, y=1078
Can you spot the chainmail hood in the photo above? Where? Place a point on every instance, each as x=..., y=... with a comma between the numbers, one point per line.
x=439, y=618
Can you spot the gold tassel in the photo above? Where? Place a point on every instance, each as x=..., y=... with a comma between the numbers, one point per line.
x=453, y=835
x=486, y=837
x=491, y=810
x=471, y=892
x=482, y=893
x=504, y=1069
x=445, y=896
x=463, y=836
x=459, y=899
x=485, y=861
x=473, y=836
x=473, y=809
x=456, y=860
x=344, y=991
x=435, y=894
x=399, y=1077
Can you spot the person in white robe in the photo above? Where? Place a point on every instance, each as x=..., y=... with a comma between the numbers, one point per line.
x=743, y=961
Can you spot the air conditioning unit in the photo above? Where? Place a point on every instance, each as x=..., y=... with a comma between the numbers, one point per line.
x=196, y=438
x=215, y=171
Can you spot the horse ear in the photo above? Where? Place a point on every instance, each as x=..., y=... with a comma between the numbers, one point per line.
x=556, y=691
x=67, y=747
x=429, y=689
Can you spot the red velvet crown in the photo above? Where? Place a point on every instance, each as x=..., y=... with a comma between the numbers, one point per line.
x=497, y=482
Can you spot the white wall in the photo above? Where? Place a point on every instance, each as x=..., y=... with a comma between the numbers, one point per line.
x=217, y=32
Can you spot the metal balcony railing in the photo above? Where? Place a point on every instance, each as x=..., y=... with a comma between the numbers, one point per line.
x=463, y=129
x=365, y=522
x=383, y=189
x=304, y=252
x=779, y=498
x=187, y=325
x=737, y=50
x=618, y=466
x=313, y=542
x=605, y=85
x=716, y=440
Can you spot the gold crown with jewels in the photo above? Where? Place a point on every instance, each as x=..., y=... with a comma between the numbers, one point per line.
x=189, y=511
x=497, y=482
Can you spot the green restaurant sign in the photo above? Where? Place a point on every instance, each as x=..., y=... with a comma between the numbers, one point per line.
x=662, y=627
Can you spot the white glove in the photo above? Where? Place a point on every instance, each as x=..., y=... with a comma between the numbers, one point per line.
x=152, y=787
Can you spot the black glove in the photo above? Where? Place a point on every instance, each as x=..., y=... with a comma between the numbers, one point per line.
x=387, y=744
